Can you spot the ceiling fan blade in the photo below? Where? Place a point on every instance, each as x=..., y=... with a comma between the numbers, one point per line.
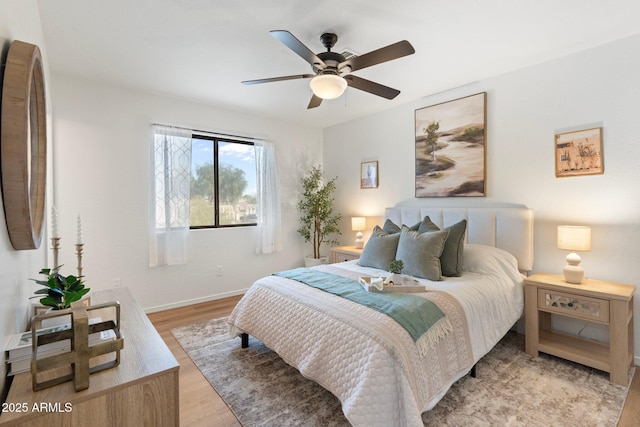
x=278, y=79
x=314, y=102
x=371, y=87
x=384, y=54
x=298, y=47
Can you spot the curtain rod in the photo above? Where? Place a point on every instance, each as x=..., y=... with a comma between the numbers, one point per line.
x=211, y=133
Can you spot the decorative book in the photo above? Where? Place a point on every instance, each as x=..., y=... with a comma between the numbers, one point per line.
x=19, y=347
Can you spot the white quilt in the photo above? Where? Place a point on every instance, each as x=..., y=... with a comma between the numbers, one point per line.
x=368, y=360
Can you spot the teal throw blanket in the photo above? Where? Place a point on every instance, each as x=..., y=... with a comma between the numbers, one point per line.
x=415, y=314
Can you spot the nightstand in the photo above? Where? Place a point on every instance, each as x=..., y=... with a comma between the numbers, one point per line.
x=344, y=253
x=595, y=301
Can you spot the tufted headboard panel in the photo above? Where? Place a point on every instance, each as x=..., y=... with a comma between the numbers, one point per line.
x=510, y=229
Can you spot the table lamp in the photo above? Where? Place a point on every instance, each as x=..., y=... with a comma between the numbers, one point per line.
x=359, y=224
x=574, y=238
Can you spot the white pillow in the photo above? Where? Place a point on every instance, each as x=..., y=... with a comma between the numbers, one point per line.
x=488, y=259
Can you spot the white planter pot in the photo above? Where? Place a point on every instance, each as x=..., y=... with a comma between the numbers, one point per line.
x=59, y=320
x=395, y=278
x=310, y=261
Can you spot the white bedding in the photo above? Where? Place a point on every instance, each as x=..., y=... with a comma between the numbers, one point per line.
x=368, y=360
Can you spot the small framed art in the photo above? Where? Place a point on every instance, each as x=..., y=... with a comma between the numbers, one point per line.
x=579, y=153
x=369, y=174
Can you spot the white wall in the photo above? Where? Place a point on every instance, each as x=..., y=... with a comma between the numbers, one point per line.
x=597, y=87
x=101, y=151
x=19, y=20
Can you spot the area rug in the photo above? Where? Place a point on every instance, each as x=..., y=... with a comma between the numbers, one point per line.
x=511, y=389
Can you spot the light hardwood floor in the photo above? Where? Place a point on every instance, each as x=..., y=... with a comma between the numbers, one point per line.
x=200, y=405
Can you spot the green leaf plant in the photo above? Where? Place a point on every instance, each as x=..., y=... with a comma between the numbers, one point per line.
x=60, y=291
x=396, y=266
x=317, y=218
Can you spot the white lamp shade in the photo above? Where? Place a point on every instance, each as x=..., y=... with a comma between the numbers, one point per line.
x=358, y=223
x=328, y=86
x=574, y=238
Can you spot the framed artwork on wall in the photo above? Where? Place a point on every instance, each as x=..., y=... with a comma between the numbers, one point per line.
x=450, y=146
x=369, y=174
x=579, y=153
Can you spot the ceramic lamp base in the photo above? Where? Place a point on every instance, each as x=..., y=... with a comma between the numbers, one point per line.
x=573, y=274
x=359, y=240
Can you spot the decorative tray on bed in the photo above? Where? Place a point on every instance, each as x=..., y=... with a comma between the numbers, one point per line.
x=375, y=284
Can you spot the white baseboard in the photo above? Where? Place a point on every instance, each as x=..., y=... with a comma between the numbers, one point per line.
x=185, y=303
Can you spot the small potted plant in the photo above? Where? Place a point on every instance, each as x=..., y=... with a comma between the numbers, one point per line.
x=317, y=218
x=59, y=291
x=395, y=268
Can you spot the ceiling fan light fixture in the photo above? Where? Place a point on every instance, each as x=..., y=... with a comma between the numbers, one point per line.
x=328, y=86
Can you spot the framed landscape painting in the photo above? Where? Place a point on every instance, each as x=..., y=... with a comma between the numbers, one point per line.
x=579, y=153
x=450, y=148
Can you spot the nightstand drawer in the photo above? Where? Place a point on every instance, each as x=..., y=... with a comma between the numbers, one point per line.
x=341, y=257
x=344, y=253
x=592, y=309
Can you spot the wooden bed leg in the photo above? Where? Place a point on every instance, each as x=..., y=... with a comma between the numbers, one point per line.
x=474, y=372
x=245, y=340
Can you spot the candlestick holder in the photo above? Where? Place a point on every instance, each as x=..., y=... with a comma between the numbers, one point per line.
x=79, y=253
x=55, y=244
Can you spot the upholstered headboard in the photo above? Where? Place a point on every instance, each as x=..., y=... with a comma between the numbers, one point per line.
x=510, y=229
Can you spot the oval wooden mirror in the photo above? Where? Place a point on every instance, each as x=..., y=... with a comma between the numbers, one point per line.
x=23, y=145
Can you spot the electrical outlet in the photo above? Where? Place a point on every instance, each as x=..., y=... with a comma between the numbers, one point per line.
x=219, y=270
x=117, y=282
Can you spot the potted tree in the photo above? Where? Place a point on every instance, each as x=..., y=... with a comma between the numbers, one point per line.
x=317, y=218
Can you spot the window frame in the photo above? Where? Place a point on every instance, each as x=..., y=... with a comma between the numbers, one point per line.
x=216, y=203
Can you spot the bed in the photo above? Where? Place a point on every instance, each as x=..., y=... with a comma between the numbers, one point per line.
x=382, y=374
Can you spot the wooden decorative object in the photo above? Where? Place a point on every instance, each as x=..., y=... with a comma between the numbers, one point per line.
x=23, y=145
x=80, y=357
x=55, y=245
x=79, y=254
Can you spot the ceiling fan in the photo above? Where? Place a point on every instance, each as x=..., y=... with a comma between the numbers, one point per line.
x=332, y=70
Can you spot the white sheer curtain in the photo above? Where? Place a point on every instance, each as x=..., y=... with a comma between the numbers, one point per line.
x=170, y=195
x=268, y=198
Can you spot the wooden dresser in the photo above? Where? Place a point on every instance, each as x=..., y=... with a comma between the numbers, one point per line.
x=141, y=391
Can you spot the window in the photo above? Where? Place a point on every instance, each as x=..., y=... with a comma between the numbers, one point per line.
x=223, y=182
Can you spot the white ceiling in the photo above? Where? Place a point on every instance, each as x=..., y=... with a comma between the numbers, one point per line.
x=201, y=49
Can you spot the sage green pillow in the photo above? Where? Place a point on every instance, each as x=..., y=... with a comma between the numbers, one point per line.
x=452, y=255
x=390, y=227
x=380, y=249
x=420, y=253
